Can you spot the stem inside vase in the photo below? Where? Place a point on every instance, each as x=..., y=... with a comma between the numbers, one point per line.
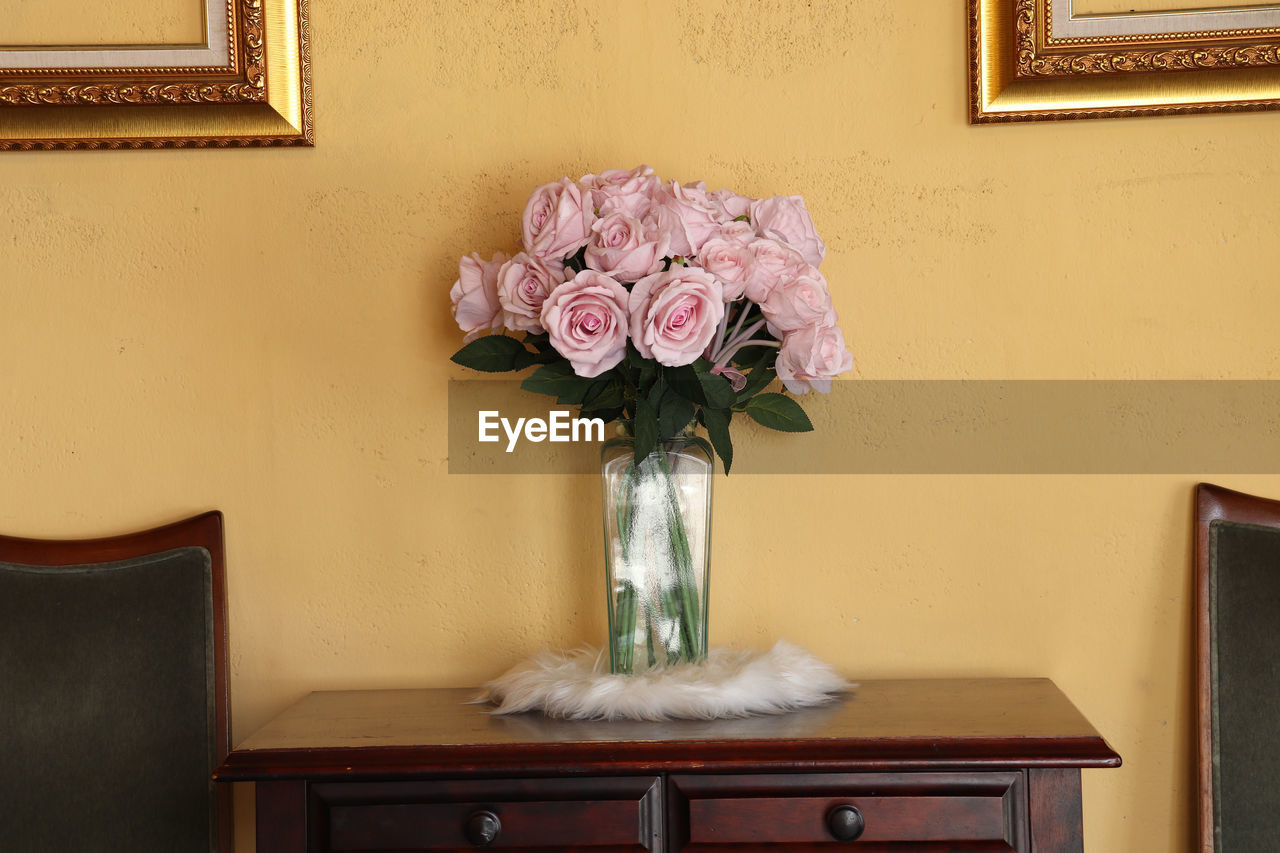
x=657, y=542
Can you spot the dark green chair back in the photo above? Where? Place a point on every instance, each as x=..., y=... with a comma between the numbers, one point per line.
x=1237, y=568
x=113, y=692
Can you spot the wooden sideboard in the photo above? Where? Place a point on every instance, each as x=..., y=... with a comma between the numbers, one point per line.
x=911, y=765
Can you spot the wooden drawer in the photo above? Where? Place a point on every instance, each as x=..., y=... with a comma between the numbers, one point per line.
x=904, y=811
x=604, y=814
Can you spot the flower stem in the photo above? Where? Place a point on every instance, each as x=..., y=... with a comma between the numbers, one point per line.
x=625, y=605
x=724, y=324
x=725, y=343
x=743, y=339
x=654, y=551
x=742, y=316
x=685, y=590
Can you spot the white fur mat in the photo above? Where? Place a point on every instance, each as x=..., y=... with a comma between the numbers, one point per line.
x=578, y=686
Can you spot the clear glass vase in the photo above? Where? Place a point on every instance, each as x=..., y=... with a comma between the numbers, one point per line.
x=657, y=539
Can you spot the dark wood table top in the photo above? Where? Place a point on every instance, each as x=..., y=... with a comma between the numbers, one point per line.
x=880, y=725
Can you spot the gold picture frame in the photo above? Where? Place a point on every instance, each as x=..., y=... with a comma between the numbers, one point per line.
x=1035, y=60
x=248, y=83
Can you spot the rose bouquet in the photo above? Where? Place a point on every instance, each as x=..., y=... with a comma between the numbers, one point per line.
x=658, y=304
x=663, y=306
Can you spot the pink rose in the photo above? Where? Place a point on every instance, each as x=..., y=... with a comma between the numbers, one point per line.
x=475, y=295
x=741, y=233
x=729, y=262
x=674, y=314
x=586, y=319
x=785, y=218
x=523, y=285
x=630, y=192
x=685, y=213
x=798, y=302
x=624, y=248
x=557, y=220
x=772, y=263
x=730, y=205
x=811, y=357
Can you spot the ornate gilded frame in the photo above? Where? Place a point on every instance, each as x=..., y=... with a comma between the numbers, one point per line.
x=247, y=84
x=1036, y=60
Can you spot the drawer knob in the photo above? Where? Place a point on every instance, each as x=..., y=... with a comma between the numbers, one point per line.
x=845, y=823
x=483, y=828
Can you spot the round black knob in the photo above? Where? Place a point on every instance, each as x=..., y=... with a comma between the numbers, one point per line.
x=483, y=828
x=845, y=823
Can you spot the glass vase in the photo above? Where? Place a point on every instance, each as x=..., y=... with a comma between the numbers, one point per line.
x=657, y=539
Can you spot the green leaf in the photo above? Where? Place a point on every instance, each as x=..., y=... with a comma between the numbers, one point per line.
x=759, y=374
x=649, y=374
x=494, y=354
x=546, y=353
x=603, y=393
x=717, y=424
x=674, y=414
x=656, y=393
x=716, y=390
x=779, y=412
x=685, y=381
x=637, y=372
x=559, y=381
x=633, y=356
x=645, y=430
x=606, y=415
x=696, y=382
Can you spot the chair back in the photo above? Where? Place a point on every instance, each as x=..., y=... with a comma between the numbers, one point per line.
x=1237, y=650
x=113, y=692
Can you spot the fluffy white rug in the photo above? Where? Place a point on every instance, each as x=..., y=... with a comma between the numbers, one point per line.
x=578, y=686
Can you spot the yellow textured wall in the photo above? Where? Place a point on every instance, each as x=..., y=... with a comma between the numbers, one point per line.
x=267, y=333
